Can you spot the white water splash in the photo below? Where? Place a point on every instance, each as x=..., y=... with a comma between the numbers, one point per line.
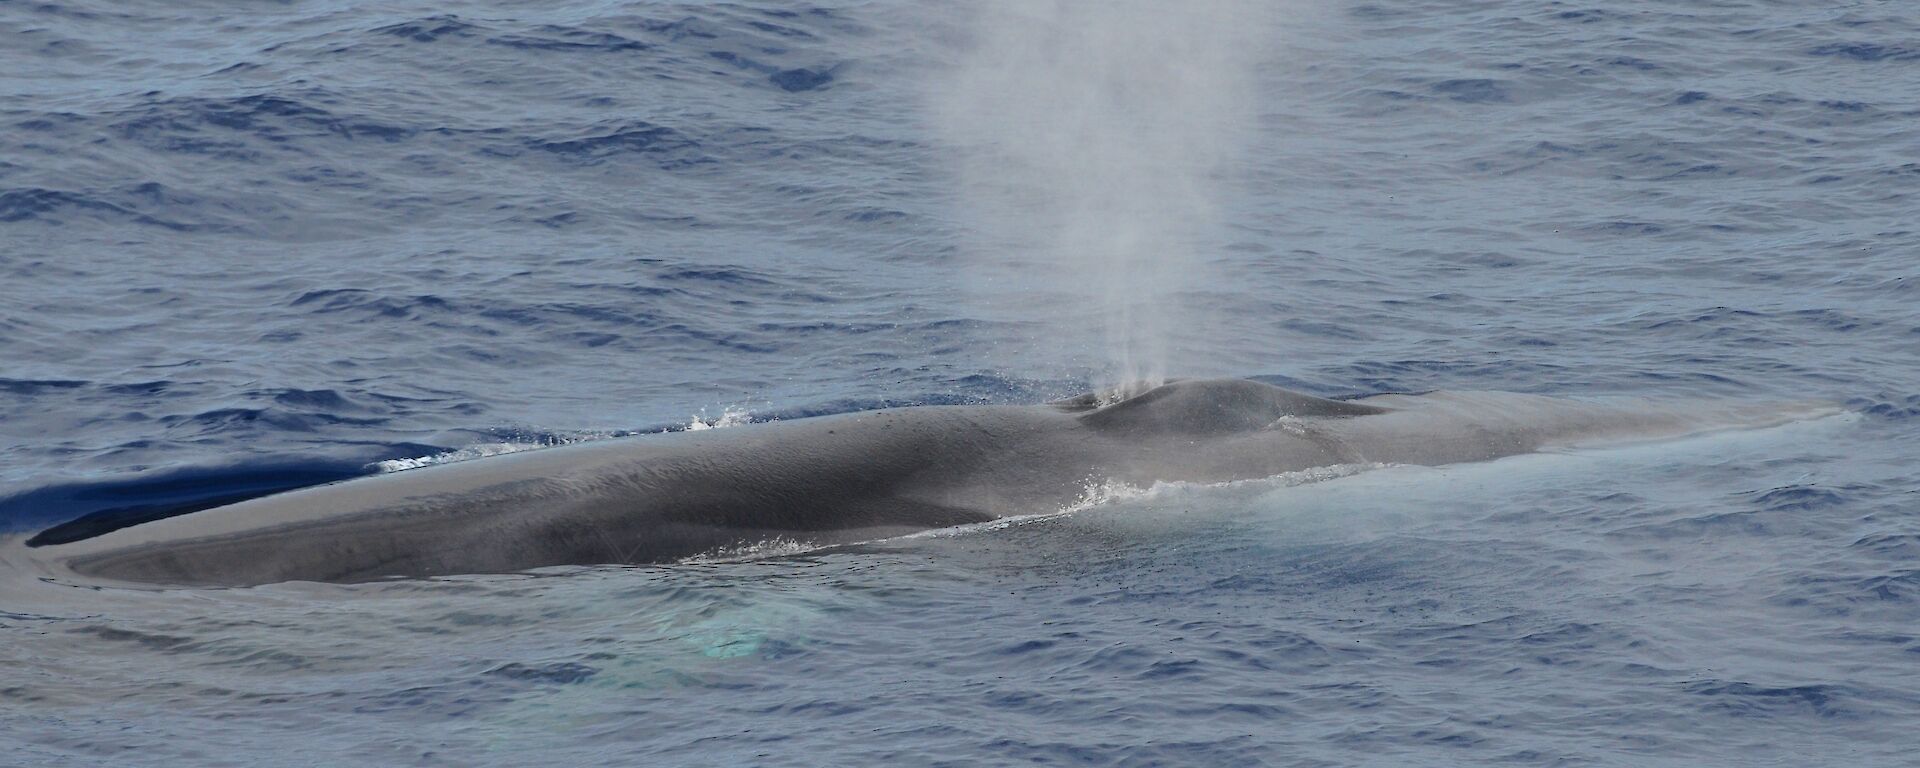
x=731, y=416
x=1105, y=492
x=776, y=547
x=468, y=453
x=1097, y=492
x=483, y=450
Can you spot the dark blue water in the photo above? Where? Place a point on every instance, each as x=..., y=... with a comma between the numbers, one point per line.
x=251, y=247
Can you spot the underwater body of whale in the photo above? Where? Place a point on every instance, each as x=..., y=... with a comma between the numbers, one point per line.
x=836, y=479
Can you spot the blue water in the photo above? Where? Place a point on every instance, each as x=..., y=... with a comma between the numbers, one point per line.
x=245, y=247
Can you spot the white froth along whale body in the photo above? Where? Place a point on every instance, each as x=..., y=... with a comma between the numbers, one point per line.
x=836, y=479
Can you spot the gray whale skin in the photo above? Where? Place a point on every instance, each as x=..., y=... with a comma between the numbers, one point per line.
x=836, y=479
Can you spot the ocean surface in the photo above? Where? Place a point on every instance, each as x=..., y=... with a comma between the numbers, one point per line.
x=250, y=246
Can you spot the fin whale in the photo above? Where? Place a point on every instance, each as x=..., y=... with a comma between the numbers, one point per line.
x=836, y=479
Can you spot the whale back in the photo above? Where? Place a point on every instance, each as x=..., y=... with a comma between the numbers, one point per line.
x=838, y=479
x=1210, y=407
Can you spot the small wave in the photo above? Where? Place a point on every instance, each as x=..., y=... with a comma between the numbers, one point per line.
x=669, y=148
x=85, y=509
x=428, y=29
x=559, y=672
x=114, y=204
x=554, y=37
x=1861, y=51
x=1474, y=91
x=29, y=387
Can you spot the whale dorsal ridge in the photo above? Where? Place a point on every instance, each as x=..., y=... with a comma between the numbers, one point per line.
x=1215, y=406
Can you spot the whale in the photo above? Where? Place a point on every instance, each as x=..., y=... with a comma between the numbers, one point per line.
x=841, y=479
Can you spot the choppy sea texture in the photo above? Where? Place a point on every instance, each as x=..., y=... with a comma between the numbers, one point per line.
x=252, y=247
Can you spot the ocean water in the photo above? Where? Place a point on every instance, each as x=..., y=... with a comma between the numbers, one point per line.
x=250, y=246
